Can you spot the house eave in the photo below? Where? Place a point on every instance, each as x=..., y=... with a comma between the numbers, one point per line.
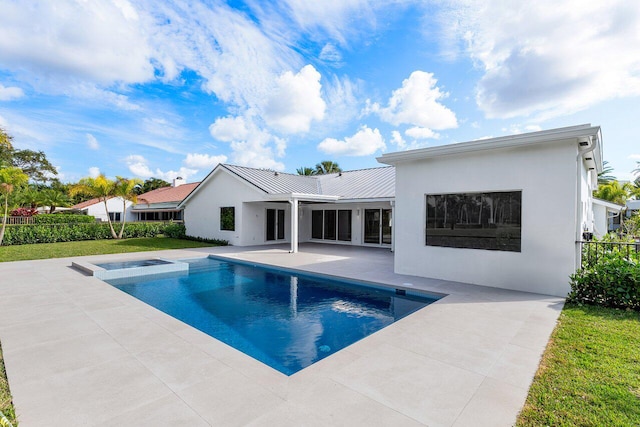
x=582, y=133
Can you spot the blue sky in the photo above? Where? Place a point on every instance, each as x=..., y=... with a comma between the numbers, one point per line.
x=166, y=89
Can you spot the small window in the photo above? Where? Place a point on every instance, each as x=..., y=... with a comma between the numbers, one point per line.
x=228, y=218
x=115, y=216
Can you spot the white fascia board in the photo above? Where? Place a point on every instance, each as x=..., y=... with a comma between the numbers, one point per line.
x=302, y=197
x=369, y=200
x=511, y=141
x=609, y=205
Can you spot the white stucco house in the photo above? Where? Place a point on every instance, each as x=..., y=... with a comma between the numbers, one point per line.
x=510, y=210
x=117, y=211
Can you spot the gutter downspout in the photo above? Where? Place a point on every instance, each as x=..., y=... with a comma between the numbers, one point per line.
x=578, y=246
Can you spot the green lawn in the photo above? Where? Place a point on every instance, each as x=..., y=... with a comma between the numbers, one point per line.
x=93, y=247
x=6, y=406
x=590, y=372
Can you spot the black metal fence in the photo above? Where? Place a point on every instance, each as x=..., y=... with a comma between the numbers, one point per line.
x=592, y=250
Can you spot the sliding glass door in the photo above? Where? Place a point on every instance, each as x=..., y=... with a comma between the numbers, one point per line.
x=377, y=226
x=275, y=224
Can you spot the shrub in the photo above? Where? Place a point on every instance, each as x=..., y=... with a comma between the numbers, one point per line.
x=63, y=219
x=214, y=242
x=52, y=233
x=612, y=281
x=177, y=231
x=24, y=212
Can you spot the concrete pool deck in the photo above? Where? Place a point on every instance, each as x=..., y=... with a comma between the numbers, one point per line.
x=80, y=352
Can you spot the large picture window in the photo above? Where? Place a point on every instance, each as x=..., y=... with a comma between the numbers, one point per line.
x=490, y=220
x=228, y=218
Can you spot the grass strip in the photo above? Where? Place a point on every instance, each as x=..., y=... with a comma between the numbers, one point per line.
x=6, y=404
x=94, y=247
x=590, y=372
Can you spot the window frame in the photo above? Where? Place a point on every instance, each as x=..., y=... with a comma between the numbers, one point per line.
x=224, y=220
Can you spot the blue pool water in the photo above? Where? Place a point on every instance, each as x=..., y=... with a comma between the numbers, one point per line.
x=285, y=320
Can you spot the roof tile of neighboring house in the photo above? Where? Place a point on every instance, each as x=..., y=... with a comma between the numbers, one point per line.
x=358, y=184
x=167, y=194
x=86, y=204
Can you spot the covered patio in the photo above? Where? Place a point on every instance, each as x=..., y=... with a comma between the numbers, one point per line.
x=80, y=352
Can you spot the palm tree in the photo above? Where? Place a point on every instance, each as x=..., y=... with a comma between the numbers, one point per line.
x=604, y=176
x=101, y=188
x=305, y=171
x=327, y=167
x=126, y=190
x=9, y=179
x=636, y=172
x=614, y=192
x=53, y=199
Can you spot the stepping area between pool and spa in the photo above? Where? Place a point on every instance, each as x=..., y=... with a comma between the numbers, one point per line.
x=80, y=352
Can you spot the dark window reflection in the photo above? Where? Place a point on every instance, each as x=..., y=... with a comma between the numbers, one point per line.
x=475, y=220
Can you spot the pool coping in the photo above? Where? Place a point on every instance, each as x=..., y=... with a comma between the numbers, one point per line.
x=112, y=359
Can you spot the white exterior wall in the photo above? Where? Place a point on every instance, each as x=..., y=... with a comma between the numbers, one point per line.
x=254, y=222
x=600, y=220
x=546, y=174
x=114, y=205
x=202, y=213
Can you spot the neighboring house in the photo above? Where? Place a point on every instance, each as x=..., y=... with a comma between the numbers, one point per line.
x=503, y=212
x=95, y=207
x=632, y=208
x=606, y=217
x=161, y=204
x=247, y=206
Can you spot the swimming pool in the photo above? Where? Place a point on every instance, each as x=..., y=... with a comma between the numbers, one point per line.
x=287, y=320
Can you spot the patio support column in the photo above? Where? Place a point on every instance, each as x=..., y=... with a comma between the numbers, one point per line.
x=294, y=226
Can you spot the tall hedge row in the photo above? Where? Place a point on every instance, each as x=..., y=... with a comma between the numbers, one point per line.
x=62, y=219
x=52, y=233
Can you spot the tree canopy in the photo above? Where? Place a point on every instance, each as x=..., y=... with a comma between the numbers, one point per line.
x=151, y=184
x=33, y=163
x=322, y=168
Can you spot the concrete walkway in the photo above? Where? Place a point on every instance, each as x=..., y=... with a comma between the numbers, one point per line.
x=80, y=352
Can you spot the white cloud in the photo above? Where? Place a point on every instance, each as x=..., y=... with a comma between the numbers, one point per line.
x=139, y=166
x=340, y=20
x=417, y=132
x=100, y=41
x=365, y=142
x=296, y=101
x=94, y=172
x=229, y=128
x=92, y=142
x=517, y=128
x=250, y=145
x=417, y=103
x=10, y=93
x=547, y=58
x=397, y=140
x=634, y=156
x=330, y=54
x=112, y=44
x=203, y=161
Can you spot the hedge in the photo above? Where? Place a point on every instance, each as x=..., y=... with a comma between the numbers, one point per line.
x=613, y=281
x=52, y=233
x=62, y=219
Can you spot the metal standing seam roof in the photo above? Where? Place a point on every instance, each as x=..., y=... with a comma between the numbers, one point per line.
x=358, y=184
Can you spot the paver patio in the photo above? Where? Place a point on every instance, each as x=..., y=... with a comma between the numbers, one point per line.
x=80, y=352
